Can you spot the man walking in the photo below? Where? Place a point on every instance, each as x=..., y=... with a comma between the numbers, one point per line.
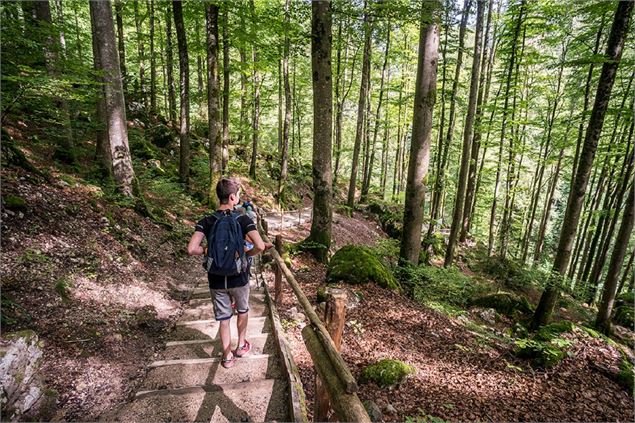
x=227, y=264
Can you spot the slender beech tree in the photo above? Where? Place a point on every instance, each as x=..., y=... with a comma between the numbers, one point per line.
x=255, y=117
x=439, y=181
x=114, y=105
x=213, y=115
x=457, y=218
x=602, y=322
x=141, y=52
x=613, y=55
x=169, y=64
x=425, y=97
x=368, y=175
x=287, y=102
x=487, y=61
x=322, y=128
x=184, y=76
x=121, y=42
x=153, y=61
x=225, y=146
x=506, y=96
x=361, y=105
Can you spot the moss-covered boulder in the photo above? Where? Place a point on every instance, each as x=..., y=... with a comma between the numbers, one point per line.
x=625, y=376
x=542, y=354
x=551, y=331
x=13, y=202
x=356, y=265
x=386, y=372
x=624, y=314
x=503, y=302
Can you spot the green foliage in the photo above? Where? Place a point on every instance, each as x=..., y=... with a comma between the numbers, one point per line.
x=34, y=257
x=356, y=265
x=503, y=302
x=386, y=372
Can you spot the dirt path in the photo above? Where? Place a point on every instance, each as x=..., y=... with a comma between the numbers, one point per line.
x=279, y=222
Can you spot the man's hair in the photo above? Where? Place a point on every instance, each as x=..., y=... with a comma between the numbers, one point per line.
x=226, y=187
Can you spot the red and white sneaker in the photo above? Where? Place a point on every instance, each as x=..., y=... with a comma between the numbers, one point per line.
x=242, y=351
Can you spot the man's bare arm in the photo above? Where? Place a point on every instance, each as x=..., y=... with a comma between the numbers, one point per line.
x=194, y=247
x=259, y=244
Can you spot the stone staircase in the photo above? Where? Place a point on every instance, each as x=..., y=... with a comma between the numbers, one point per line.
x=188, y=383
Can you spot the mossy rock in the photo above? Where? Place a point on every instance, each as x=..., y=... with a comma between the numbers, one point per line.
x=625, y=376
x=13, y=202
x=357, y=265
x=625, y=316
x=321, y=294
x=386, y=372
x=503, y=302
x=160, y=135
x=542, y=354
x=551, y=331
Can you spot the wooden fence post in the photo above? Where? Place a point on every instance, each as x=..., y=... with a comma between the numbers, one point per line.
x=277, y=287
x=334, y=318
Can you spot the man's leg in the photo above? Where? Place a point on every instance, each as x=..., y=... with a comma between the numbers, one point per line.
x=241, y=325
x=226, y=337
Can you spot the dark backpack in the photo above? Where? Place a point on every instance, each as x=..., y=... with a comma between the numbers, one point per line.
x=226, y=246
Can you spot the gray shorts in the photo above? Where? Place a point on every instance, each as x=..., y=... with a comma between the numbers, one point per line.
x=222, y=301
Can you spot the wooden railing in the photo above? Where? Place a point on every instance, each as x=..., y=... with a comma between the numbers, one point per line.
x=334, y=382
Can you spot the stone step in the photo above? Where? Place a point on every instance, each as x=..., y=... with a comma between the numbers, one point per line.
x=208, y=329
x=257, y=401
x=208, y=371
x=260, y=344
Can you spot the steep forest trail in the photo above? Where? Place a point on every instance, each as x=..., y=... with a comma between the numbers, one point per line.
x=186, y=382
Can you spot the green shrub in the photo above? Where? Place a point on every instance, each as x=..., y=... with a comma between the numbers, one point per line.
x=356, y=264
x=386, y=372
x=390, y=217
x=625, y=310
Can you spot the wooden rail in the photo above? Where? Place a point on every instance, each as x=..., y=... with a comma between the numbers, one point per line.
x=329, y=364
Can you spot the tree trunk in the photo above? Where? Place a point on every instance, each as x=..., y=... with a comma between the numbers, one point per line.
x=153, y=62
x=141, y=53
x=243, y=86
x=425, y=97
x=576, y=196
x=121, y=41
x=184, y=76
x=509, y=75
x=102, y=153
x=361, y=106
x=287, y=104
x=368, y=176
x=481, y=101
x=215, y=151
x=547, y=209
x=65, y=149
x=322, y=128
x=115, y=108
x=170, y=67
x=457, y=218
x=627, y=272
x=60, y=20
x=225, y=146
x=602, y=322
x=255, y=118
x=439, y=180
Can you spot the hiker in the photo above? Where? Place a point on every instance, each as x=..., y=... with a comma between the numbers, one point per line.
x=227, y=262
